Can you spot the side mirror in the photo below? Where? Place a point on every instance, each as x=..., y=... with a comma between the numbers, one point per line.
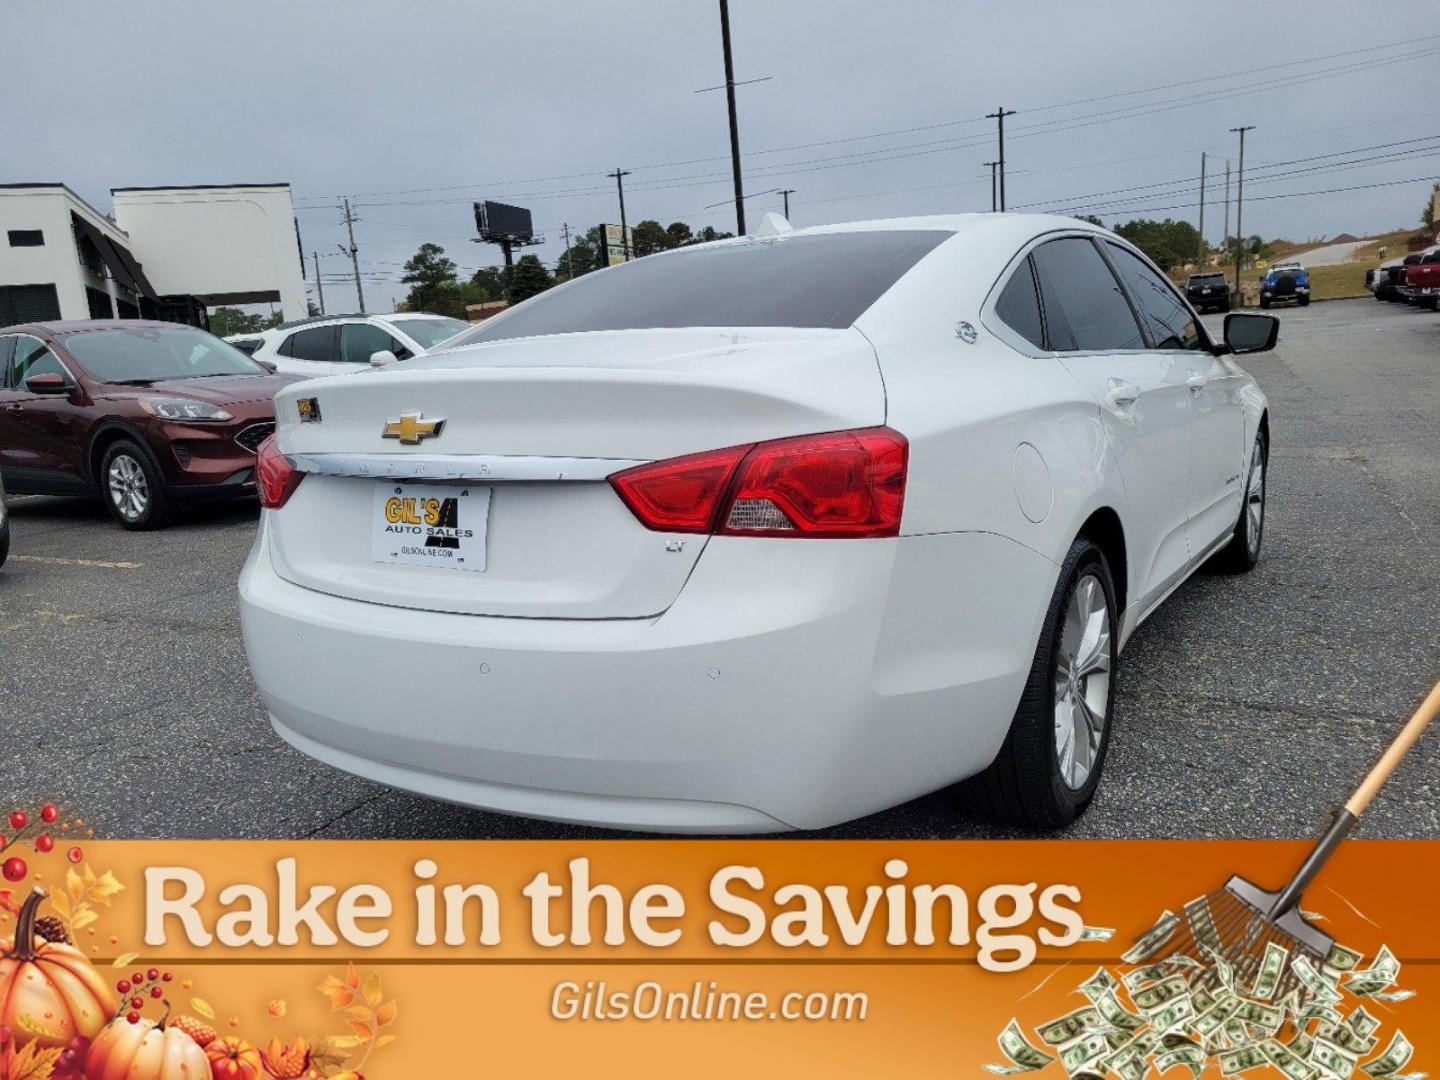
x=1247, y=332
x=383, y=358
x=48, y=383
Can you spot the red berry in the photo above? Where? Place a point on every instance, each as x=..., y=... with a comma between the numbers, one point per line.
x=156, y=992
x=133, y=1017
x=123, y=986
x=138, y=978
x=3, y=841
x=152, y=974
x=19, y=819
x=44, y=843
x=75, y=854
x=137, y=1003
x=48, y=813
x=166, y=977
x=15, y=869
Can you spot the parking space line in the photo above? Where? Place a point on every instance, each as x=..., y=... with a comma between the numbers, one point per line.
x=55, y=560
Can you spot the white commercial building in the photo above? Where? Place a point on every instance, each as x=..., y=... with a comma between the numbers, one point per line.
x=166, y=253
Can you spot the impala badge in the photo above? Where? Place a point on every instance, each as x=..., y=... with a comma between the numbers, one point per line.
x=410, y=429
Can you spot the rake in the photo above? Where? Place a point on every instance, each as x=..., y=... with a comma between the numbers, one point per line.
x=1238, y=922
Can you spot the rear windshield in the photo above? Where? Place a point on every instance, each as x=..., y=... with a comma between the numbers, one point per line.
x=823, y=280
x=1205, y=279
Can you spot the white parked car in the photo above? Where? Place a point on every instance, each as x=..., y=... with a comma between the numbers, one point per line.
x=333, y=345
x=762, y=534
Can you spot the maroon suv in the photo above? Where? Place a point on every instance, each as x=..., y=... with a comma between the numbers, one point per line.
x=147, y=415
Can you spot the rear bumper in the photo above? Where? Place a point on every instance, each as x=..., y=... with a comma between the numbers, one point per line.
x=792, y=685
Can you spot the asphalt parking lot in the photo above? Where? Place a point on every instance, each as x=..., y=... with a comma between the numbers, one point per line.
x=1247, y=706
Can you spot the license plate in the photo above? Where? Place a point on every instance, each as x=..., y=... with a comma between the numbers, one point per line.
x=430, y=525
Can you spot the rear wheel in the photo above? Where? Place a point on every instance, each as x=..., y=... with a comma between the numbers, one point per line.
x=133, y=489
x=1304, y=301
x=1225, y=306
x=1264, y=302
x=1049, y=766
x=1243, y=551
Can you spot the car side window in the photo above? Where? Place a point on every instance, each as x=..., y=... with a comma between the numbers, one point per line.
x=1166, y=316
x=317, y=343
x=32, y=357
x=6, y=344
x=1085, y=307
x=1019, y=305
x=359, y=340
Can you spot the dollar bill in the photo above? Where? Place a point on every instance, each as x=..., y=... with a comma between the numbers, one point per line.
x=1202, y=923
x=1083, y=1053
x=1287, y=1061
x=1142, y=976
x=1342, y=959
x=1313, y=981
x=1069, y=1027
x=1302, y=1044
x=1272, y=966
x=1173, y=1015
x=1381, y=974
x=1242, y=1059
x=1153, y=940
x=1396, y=1056
x=1191, y=1056
x=1223, y=971
x=1097, y=933
x=1116, y=1015
x=1391, y=996
x=1346, y=1038
x=1268, y=1017
x=1335, y=1060
x=1213, y=1019
x=1023, y=1056
x=1361, y=1022
x=1162, y=993
x=1102, y=982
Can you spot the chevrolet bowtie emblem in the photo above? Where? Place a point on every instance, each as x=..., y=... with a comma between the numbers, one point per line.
x=410, y=429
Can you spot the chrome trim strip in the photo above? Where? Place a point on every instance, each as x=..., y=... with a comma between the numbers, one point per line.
x=460, y=466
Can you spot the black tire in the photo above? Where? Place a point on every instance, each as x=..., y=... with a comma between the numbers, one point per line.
x=1225, y=306
x=1304, y=301
x=1241, y=555
x=4, y=541
x=132, y=488
x=1024, y=785
x=1264, y=303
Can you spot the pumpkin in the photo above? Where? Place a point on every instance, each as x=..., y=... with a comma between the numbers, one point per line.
x=233, y=1059
x=49, y=993
x=145, y=1050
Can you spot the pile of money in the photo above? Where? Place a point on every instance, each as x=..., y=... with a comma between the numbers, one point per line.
x=1198, y=1011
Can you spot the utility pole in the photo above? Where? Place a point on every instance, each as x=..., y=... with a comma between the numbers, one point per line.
x=569, y=255
x=785, y=194
x=993, y=204
x=1240, y=207
x=734, y=124
x=1226, y=234
x=999, y=116
x=1200, y=255
x=319, y=285
x=619, y=175
x=354, y=254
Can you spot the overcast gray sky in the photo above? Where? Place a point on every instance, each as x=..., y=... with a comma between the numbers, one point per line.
x=534, y=102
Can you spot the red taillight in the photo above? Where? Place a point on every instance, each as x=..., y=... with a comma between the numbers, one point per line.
x=840, y=484
x=275, y=477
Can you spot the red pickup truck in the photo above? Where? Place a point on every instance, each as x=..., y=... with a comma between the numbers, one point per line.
x=1422, y=280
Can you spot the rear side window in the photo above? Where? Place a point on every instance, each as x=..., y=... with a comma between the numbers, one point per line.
x=1166, y=316
x=32, y=356
x=317, y=343
x=1085, y=307
x=359, y=340
x=1019, y=306
x=824, y=280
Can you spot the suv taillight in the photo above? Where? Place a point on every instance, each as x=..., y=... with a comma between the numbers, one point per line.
x=842, y=484
x=275, y=477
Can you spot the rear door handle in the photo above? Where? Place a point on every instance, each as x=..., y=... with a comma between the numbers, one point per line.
x=1122, y=395
x=1196, y=383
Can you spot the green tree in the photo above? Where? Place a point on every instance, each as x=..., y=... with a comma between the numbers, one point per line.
x=648, y=237
x=1427, y=216
x=1092, y=219
x=225, y=321
x=427, y=272
x=490, y=280
x=679, y=234
x=1170, y=243
x=582, y=256
x=531, y=277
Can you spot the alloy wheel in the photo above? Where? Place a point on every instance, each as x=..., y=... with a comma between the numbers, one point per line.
x=1255, y=503
x=1082, y=681
x=129, y=490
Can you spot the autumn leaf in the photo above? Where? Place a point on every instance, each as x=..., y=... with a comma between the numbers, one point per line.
x=203, y=1007
x=33, y=1063
x=361, y=1013
x=352, y=977
x=365, y=1031
x=384, y=1040
x=386, y=1013
x=59, y=901
x=339, y=994
x=105, y=887
x=83, y=917
x=35, y=1027
x=344, y=1042
x=124, y=959
x=372, y=989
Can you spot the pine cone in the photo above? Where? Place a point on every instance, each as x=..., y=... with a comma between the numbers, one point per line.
x=52, y=929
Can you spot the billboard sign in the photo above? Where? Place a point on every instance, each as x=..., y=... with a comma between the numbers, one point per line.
x=613, y=245
x=499, y=221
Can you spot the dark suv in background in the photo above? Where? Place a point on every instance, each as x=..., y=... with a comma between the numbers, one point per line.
x=146, y=415
x=1206, y=291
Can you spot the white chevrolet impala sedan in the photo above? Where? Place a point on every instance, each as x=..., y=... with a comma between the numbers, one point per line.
x=762, y=534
